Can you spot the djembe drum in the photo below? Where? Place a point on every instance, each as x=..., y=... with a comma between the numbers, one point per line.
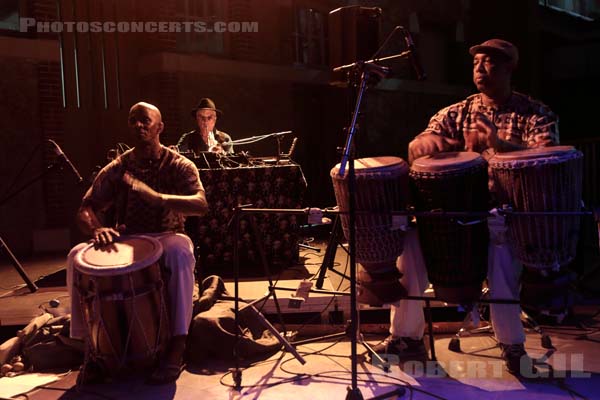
x=381, y=186
x=541, y=179
x=455, y=250
x=123, y=302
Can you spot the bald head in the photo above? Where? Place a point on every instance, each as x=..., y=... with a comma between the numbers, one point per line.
x=150, y=107
x=145, y=122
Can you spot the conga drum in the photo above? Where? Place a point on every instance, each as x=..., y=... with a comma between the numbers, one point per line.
x=455, y=250
x=381, y=186
x=123, y=301
x=541, y=179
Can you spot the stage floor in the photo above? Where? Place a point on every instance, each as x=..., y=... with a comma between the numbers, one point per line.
x=476, y=373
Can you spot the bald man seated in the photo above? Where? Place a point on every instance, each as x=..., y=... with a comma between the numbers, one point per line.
x=152, y=189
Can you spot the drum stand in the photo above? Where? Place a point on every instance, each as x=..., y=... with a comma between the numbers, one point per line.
x=474, y=315
x=329, y=256
x=546, y=340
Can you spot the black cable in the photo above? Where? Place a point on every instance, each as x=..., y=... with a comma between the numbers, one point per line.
x=319, y=352
x=268, y=362
x=222, y=382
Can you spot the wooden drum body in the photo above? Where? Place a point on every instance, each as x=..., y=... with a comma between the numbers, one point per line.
x=541, y=179
x=123, y=301
x=381, y=186
x=455, y=250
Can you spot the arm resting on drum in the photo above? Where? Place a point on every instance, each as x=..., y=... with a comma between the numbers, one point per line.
x=89, y=224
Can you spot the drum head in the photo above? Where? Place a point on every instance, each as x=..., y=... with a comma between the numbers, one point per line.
x=129, y=254
x=447, y=162
x=535, y=153
x=373, y=165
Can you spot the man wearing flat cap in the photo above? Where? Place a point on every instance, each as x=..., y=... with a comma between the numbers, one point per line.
x=205, y=137
x=496, y=119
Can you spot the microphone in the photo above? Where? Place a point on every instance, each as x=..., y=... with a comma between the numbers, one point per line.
x=65, y=160
x=413, y=56
x=377, y=69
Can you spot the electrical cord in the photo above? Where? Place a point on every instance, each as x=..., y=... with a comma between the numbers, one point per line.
x=269, y=362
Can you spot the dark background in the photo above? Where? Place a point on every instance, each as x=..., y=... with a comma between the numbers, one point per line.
x=275, y=79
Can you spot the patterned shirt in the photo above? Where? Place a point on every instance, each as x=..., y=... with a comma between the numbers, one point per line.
x=192, y=141
x=521, y=120
x=171, y=174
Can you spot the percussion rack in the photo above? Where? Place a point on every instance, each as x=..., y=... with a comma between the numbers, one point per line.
x=507, y=211
x=409, y=212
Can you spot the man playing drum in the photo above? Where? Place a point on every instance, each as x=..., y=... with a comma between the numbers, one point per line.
x=497, y=119
x=152, y=190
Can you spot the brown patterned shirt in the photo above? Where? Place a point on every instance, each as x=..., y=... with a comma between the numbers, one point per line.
x=521, y=120
x=171, y=174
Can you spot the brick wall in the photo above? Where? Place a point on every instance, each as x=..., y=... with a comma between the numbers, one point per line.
x=20, y=138
x=52, y=126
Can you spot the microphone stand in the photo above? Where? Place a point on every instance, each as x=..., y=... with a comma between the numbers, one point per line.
x=353, y=392
x=3, y=246
x=236, y=372
x=369, y=65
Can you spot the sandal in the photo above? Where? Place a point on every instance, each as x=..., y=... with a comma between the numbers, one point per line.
x=166, y=373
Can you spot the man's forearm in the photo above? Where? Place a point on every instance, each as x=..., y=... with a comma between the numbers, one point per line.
x=87, y=221
x=187, y=205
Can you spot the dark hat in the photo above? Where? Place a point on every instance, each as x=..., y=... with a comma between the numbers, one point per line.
x=206, y=104
x=497, y=46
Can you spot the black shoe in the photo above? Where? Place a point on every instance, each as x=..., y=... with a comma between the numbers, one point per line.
x=517, y=361
x=401, y=347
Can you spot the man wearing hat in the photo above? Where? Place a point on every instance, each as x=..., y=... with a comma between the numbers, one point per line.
x=205, y=137
x=497, y=119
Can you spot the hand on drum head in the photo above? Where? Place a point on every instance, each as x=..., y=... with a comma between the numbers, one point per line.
x=480, y=134
x=104, y=235
x=430, y=143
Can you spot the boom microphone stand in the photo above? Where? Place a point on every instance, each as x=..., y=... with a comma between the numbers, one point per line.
x=60, y=162
x=3, y=246
x=348, y=159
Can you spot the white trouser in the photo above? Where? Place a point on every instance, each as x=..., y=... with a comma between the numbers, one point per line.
x=406, y=316
x=178, y=258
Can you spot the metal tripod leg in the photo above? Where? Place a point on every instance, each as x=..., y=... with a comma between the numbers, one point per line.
x=329, y=256
x=3, y=246
x=545, y=338
x=454, y=344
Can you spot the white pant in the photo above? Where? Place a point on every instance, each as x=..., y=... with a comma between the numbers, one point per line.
x=178, y=258
x=406, y=316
